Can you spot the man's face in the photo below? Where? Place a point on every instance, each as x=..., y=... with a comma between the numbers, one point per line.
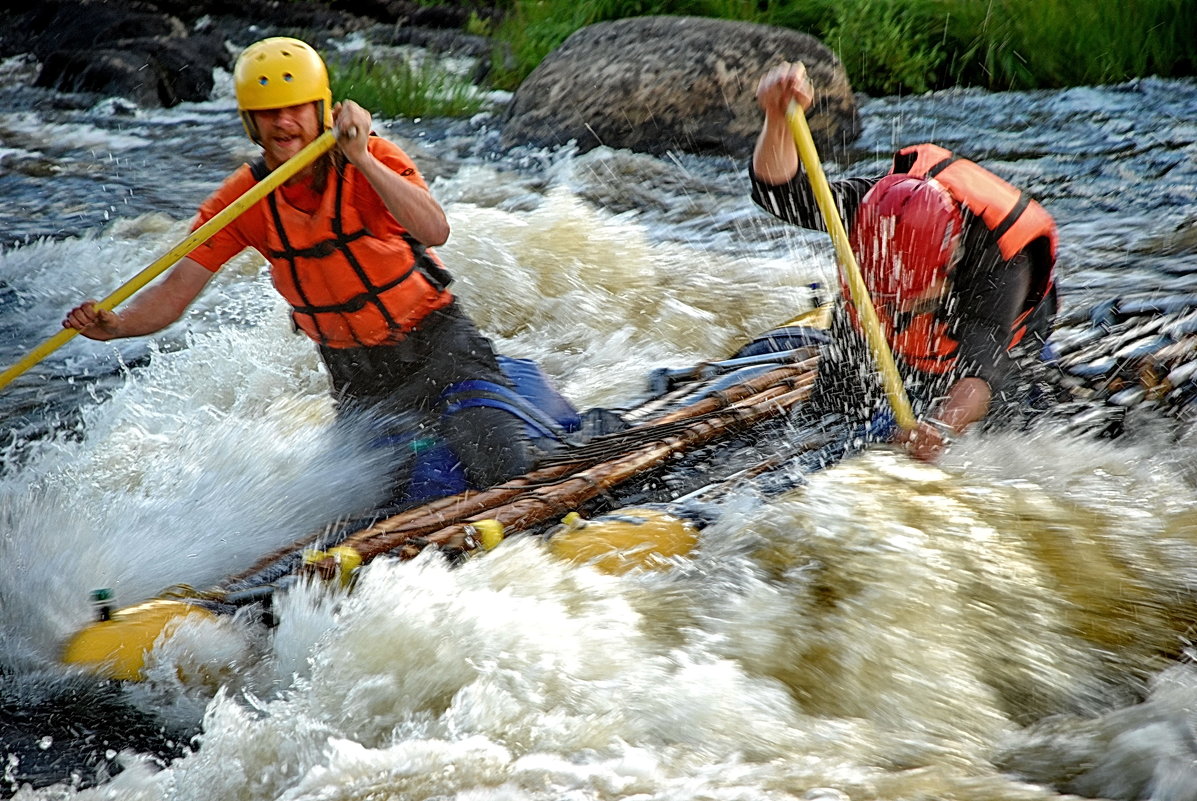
x=285, y=131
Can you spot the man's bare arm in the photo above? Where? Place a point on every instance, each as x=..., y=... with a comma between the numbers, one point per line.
x=153, y=309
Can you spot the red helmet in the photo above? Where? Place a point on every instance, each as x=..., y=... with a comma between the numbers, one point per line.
x=904, y=235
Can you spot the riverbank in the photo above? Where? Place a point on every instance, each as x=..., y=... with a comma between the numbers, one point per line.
x=888, y=46
x=904, y=46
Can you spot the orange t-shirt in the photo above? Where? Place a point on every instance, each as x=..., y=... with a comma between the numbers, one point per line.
x=250, y=229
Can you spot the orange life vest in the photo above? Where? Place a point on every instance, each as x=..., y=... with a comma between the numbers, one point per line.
x=347, y=286
x=1018, y=224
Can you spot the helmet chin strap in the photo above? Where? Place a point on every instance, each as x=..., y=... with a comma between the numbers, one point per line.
x=251, y=127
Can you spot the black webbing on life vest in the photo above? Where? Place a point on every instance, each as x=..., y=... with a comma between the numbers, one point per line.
x=371, y=295
x=437, y=275
x=259, y=171
x=1008, y=221
x=1002, y=228
x=339, y=242
x=939, y=167
x=900, y=321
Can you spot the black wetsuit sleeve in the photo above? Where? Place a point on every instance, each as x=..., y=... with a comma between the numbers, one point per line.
x=794, y=201
x=845, y=365
x=989, y=293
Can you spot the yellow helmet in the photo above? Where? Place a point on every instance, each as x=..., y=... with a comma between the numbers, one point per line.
x=280, y=72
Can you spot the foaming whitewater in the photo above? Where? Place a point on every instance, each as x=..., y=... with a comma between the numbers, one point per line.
x=221, y=446
x=888, y=630
x=579, y=289
x=197, y=465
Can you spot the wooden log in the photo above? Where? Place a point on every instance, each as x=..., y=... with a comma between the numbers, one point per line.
x=437, y=515
x=701, y=377
x=539, y=505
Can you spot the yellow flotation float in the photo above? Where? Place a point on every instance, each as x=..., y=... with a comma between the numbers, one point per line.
x=116, y=645
x=618, y=542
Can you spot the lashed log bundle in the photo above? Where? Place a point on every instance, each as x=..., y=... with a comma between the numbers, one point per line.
x=541, y=505
x=587, y=471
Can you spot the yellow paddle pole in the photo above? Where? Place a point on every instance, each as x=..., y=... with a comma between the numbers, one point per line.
x=894, y=389
x=302, y=159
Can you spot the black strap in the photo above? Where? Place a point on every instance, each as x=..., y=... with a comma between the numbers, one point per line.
x=320, y=250
x=1008, y=221
x=272, y=203
x=342, y=244
x=438, y=276
x=356, y=302
x=939, y=167
x=338, y=243
x=1011, y=217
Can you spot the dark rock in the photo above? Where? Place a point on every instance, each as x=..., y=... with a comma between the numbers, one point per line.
x=411, y=13
x=151, y=72
x=145, y=51
x=448, y=42
x=655, y=84
x=47, y=27
x=259, y=18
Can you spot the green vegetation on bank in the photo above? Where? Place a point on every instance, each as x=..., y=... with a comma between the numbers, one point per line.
x=896, y=46
x=397, y=88
x=887, y=46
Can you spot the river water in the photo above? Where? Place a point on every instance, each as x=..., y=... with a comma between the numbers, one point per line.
x=1011, y=624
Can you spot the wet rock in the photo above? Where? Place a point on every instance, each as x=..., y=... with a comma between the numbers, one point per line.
x=152, y=72
x=154, y=53
x=655, y=84
x=416, y=14
x=131, y=51
x=53, y=727
x=55, y=25
x=447, y=42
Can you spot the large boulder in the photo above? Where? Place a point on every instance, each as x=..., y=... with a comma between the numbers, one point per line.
x=654, y=84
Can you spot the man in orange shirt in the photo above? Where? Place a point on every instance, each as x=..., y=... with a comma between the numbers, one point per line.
x=348, y=241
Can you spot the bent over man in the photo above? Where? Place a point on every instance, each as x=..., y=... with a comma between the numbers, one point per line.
x=348, y=241
x=959, y=265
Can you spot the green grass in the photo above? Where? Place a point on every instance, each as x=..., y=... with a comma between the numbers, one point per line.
x=887, y=46
x=896, y=46
x=395, y=88
x=888, y=41
x=1022, y=44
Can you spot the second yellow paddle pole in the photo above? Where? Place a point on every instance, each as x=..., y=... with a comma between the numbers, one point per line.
x=895, y=390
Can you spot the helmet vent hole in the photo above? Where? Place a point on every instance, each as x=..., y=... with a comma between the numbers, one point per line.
x=288, y=77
